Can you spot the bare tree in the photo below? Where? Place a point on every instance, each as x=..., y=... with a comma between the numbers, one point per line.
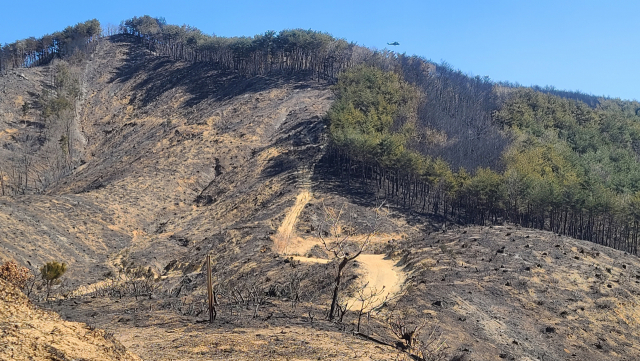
x=433, y=347
x=343, y=306
x=405, y=331
x=26, y=164
x=342, y=244
x=293, y=287
x=368, y=298
x=136, y=280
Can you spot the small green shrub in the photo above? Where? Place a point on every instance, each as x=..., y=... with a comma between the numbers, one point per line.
x=51, y=273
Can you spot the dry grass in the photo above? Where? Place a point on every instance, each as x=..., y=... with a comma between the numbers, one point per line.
x=525, y=293
x=28, y=333
x=212, y=164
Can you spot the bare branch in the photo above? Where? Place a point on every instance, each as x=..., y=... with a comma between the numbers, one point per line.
x=342, y=247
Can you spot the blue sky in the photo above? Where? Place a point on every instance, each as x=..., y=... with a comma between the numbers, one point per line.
x=587, y=45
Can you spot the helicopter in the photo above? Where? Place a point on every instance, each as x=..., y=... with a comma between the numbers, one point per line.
x=395, y=43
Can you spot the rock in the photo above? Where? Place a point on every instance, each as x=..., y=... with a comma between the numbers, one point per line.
x=444, y=303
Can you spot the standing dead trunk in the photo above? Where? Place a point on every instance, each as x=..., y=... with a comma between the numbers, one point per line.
x=336, y=288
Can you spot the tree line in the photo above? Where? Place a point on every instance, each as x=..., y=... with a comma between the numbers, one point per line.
x=455, y=116
x=430, y=137
x=570, y=168
x=457, y=108
x=38, y=51
x=295, y=50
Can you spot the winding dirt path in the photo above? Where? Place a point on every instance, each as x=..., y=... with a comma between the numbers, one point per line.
x=283, y=238
x=375, y=270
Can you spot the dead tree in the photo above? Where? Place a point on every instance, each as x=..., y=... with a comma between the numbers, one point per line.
x=210, y=295
x=342, y=308
x=1, y=182
x=404, y=332
x=342, y=245
x=368, y=298
x=293, y=287
x=433, y=347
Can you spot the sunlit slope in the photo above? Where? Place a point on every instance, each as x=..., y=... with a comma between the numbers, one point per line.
x=29, y=333
x=174, y=152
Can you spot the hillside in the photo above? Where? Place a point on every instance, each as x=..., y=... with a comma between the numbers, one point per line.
x=134, y=174
x=166, y=161
x=29, y=333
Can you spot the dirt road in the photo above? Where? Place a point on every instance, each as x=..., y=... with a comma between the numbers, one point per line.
x=376, y=271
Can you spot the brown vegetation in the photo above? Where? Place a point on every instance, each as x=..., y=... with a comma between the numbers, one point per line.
x=29, y=333
x=15, y=274
x=179, y=161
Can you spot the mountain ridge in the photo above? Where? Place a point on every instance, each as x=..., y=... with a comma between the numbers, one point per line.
x=182, y=160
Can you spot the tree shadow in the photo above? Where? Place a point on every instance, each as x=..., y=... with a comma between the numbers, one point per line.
x=327, y=178
x=201, y=80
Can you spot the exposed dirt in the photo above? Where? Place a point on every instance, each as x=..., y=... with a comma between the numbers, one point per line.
x=526, y=294
x=285, y=241
x=379, y=273
x=159, y=334
x=181, y=161
x=29, y=333
x=37, y=229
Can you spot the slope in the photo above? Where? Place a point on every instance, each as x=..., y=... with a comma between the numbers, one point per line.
x=379, y=274
x=142, y=118
x=182, y=160
x=29, y=333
